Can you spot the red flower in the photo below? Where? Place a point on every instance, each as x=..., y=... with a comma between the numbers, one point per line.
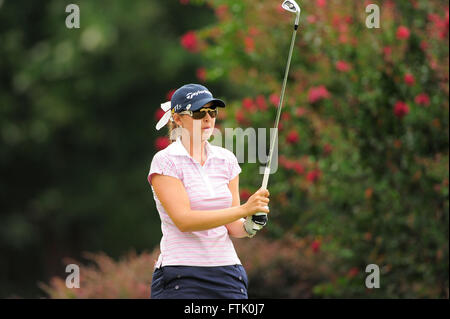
x=343, y=27
x=440, y=25
x=298, y=168
x=287, y=164
x=311, y=19
x=343, y=38
x=282, y=160
x=409, y=79
x=244, y=194
x=318, y=93
x=403, y=33
x=189, y=41
x=292, y=137
x=240, y=117
x=248, y=105
x=313, y=175
x=274, y=99
x=348, y=19
x=253, y=31
x=249, y=44
x=343, y=66
x=159, y=114
x=327, y=149
x=162, y=142
x=422, y=99
x=201, y=74
x=353, y=272
x=222, y=11
x=321, y=3
x=336, y=20
x=300, y=111
x=261, y=102
x=184, y=2
x=424, y=45
x=390, y=4
x=401, y=109
x=315, y=246
x=169, y=94
x=285, y=116
x=280, y=9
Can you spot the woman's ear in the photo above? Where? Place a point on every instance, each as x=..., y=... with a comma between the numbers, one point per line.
x=177, y=120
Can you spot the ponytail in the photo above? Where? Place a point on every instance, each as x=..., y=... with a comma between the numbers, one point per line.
x=173, y=132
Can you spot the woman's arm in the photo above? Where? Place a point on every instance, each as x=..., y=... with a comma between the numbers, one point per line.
x=236, y=228
x=172, y=195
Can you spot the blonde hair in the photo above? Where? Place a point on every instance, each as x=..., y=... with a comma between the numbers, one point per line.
x=173, y=132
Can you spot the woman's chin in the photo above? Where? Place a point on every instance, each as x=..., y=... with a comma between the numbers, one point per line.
x=206, y=134
x=206, y=137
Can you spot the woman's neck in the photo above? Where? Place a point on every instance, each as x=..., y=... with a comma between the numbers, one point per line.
x=196, y=150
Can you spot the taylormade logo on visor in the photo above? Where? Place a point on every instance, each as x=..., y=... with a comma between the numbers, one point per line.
x=190, y=95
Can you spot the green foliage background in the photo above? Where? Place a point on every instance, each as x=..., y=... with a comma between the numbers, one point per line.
x=77, y=128
x=77, y=116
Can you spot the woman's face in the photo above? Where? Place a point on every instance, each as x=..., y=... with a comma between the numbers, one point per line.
x=203, y=127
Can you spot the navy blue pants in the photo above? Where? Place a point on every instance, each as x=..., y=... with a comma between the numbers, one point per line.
x=189, y=282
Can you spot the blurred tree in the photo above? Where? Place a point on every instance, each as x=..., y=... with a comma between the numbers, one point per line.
x=77, y=116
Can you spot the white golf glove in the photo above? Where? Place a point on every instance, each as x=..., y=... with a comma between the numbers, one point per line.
x=254, y=223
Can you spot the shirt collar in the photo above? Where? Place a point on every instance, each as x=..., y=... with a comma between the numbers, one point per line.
x=177, y=148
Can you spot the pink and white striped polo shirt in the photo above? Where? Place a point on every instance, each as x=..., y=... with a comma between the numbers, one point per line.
x=207, y=189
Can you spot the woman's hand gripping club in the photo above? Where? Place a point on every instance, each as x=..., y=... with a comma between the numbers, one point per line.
x=257, y=206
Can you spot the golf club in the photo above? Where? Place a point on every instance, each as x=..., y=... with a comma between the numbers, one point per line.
x=260, y=219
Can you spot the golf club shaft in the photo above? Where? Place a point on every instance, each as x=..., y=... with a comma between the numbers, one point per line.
x=277, y=120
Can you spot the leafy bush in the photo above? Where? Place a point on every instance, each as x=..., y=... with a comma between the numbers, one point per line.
x=285, y=268
x=130, y=277
x=364, y=138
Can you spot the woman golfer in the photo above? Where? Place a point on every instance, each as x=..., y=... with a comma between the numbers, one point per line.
x=196, y=189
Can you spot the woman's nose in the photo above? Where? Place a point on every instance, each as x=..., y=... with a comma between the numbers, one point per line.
x=207, y=117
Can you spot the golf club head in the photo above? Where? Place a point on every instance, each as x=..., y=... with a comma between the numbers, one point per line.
x=292, y=6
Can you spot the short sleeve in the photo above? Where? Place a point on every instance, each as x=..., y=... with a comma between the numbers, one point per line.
x=162, y=164
x=235, y=169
